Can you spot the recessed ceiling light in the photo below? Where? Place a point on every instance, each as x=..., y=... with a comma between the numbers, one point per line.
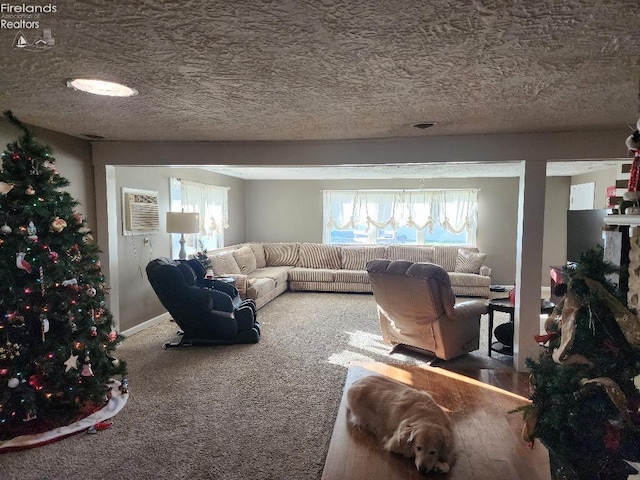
x=101, y=87
x=424, y=125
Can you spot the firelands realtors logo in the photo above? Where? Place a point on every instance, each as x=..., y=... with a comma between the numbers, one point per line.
x=28, y=22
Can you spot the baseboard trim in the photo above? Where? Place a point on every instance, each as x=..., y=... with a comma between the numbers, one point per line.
x=144, y=325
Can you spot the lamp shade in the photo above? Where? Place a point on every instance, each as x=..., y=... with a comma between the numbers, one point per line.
x=183, y=222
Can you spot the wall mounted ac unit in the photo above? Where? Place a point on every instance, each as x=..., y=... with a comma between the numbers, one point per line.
x=140, y=215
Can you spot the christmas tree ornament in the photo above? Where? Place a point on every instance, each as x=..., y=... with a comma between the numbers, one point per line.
x=44, y=323
x=41, y=279
x=74, y=253
x=5, y=188
x=31, y=231
x=94, y=331
x=113, y=335
x=58, y=224
x=77, y=218
x=91, y=292
x=54, y=256
x=69, y=282
x=71, y=362
x=29, y=190
x=114, y=361
x=86, y=368
x=13, y=382
x=5, y=229
x=36, y=381
x=21, y=263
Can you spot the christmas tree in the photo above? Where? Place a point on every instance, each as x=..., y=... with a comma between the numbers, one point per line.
x=585, y=398
x=56, y=335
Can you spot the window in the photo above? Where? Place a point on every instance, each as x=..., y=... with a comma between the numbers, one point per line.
x=210, y=202
x=400, y=216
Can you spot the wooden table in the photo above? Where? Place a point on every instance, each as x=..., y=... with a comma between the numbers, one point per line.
x=488, y=438
x=504, y=305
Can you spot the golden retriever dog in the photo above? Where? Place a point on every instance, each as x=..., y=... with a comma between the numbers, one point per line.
x=407, y=421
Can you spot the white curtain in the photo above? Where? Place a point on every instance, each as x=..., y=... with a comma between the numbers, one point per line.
x=210, y=202
x=341, y=209
x=453, y=210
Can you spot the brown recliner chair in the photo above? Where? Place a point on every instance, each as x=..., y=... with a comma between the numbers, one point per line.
x=417, y=308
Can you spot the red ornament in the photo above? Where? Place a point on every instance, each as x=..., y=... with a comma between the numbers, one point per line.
x=36, y=381
x=611, y=437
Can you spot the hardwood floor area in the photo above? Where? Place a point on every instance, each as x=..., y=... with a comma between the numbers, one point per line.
x=488, y=438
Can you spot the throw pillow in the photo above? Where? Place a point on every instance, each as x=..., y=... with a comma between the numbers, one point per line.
x=258, y=252
x=317, y=255
x=469, y=262
x=245, y=259
x=281, y=254
x=223, y=263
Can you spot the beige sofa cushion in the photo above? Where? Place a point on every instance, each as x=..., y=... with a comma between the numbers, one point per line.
x=412, y=253
x=278, y=274
x=356, y=257
x=258, y=252
x=259, y=287
x=303, y=274
x=281, y=254
x=351, y=276
x=318, y=255
x=223, y=263
x=245, y=259
x=469, y=262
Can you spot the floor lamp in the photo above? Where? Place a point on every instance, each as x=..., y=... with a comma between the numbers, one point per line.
x=182, y=222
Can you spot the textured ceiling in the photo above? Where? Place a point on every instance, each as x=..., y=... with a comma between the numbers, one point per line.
x=328, y=69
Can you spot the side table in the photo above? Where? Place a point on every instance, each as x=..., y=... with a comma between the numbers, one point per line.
x=504, y=305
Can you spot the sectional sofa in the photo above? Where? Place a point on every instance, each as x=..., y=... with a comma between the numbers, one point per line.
x=262, y=271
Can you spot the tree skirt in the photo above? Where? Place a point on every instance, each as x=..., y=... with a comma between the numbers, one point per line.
x=113, y=406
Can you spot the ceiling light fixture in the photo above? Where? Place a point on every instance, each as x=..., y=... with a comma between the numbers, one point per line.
x=101, y=87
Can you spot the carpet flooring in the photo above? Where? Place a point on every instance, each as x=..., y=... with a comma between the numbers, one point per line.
x=263, y=411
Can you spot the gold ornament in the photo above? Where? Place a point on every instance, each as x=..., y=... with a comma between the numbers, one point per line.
x=58, y=225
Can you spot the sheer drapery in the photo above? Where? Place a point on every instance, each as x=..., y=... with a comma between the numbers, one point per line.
x=341, y=209
x=453, y=210
x=210, y=202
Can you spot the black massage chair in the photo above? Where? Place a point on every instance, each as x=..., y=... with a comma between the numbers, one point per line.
x=208, y=312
